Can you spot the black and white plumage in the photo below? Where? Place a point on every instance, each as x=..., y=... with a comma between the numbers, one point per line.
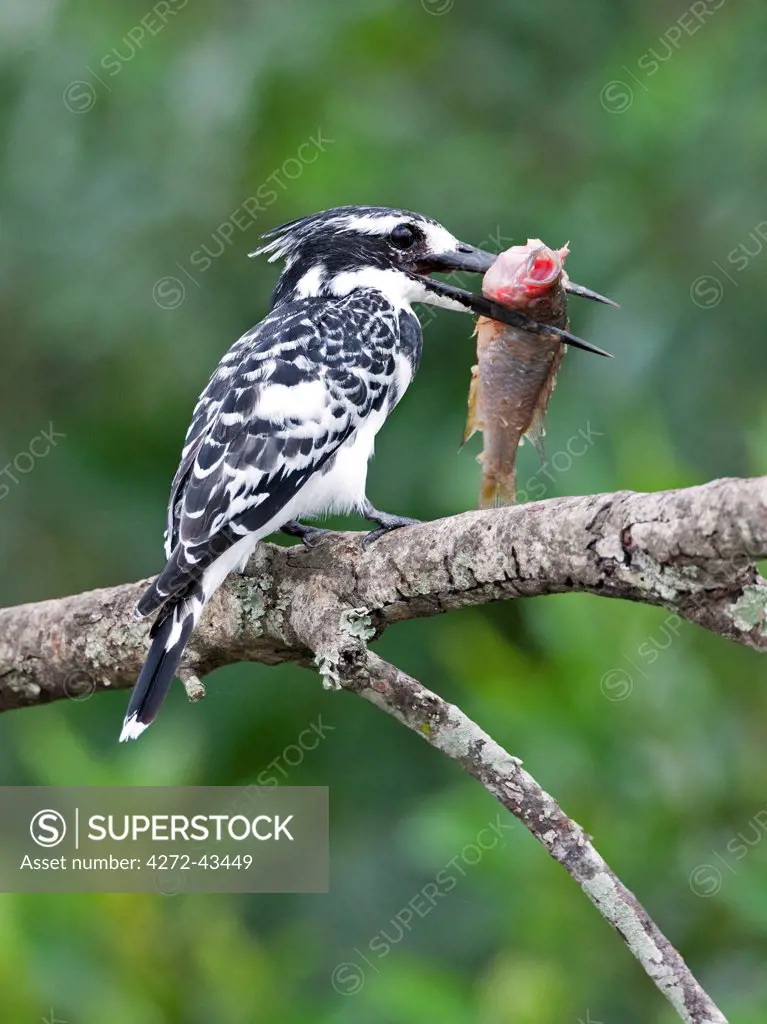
x=286, y=426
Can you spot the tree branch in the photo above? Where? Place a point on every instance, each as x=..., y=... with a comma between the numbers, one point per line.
x=448, y=729
x=691, y=551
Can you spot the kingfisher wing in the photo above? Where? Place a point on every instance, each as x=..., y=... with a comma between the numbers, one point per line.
x=203, y=419
x=281, y=403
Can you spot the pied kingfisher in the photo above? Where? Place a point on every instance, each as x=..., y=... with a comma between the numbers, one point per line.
x=286, y=426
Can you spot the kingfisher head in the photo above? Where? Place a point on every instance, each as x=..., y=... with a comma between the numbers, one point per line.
x=334, y=252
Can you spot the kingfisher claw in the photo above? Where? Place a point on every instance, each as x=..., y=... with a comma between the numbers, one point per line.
x=387, y=522
x=310, y=535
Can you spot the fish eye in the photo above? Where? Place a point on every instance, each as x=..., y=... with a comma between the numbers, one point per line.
x=403, y=236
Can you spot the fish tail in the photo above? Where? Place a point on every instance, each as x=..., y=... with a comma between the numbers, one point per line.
x=498, y=490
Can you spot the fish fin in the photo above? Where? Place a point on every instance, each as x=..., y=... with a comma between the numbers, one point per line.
x=472, y=420
x=496, y=492
x=536, y=432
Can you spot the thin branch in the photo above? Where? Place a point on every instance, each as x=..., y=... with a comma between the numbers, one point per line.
x=449, y=730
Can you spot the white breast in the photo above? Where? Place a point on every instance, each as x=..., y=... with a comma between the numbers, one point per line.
x=342, y=487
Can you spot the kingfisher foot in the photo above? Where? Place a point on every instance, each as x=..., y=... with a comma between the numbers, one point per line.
x=386, y=522
x=309, y=535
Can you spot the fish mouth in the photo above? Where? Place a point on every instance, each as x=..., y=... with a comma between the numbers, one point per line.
x=544, y=266
x=467, y=259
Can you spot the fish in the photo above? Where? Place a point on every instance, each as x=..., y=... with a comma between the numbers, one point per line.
x=516, y=369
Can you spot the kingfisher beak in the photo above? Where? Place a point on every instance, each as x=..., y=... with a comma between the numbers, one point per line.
x=464, y=258
x=467, y=259
x=586, y=293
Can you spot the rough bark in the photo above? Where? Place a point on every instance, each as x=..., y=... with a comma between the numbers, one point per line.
x=691, y=551
x=449, y=730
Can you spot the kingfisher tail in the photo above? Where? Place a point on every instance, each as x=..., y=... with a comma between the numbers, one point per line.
x=170, y=635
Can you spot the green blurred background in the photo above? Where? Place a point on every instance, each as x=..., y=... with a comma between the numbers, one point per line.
x=130, y=135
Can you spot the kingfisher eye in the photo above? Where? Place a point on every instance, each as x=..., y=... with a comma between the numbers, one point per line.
x=403, y=236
